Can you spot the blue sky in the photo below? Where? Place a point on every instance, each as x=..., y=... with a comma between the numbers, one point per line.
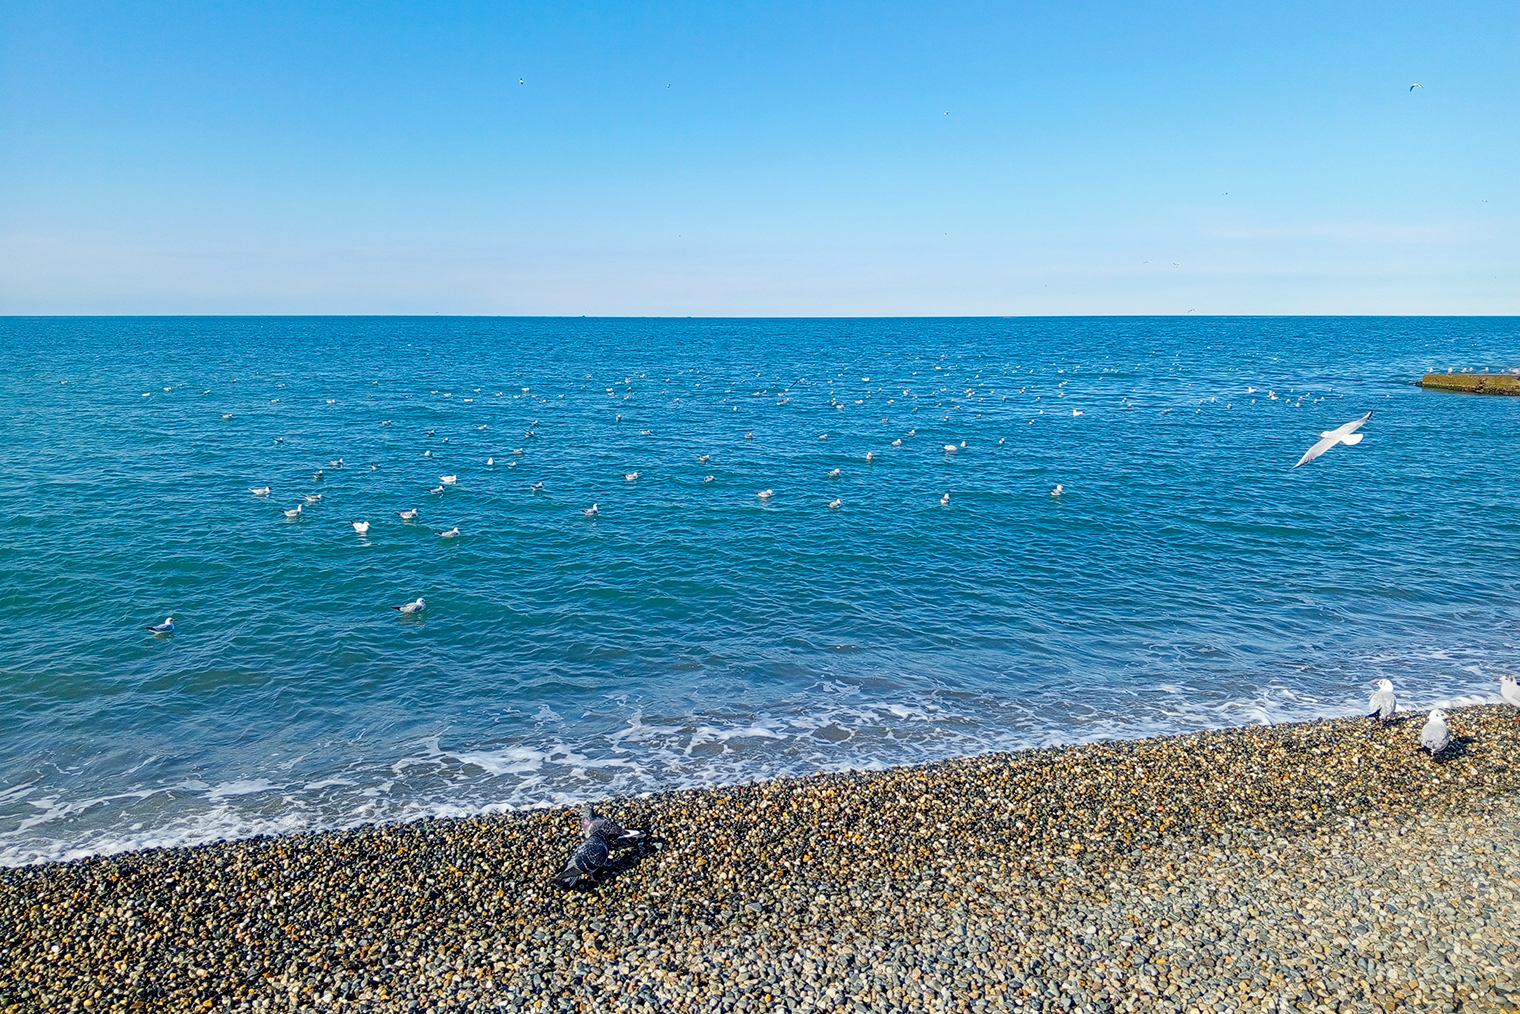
x=772, y=159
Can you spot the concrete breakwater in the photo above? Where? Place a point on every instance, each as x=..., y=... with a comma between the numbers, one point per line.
x=1473, y=383
x=1328, y=866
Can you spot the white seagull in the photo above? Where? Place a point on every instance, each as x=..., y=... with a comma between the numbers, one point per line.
x=1057, y=491
x=765, y=494
x=591, y=511
x=448, y=480
x=631, y=476
x=259, y=490
x=436, y=489
x=361, y=527
x=311, y=498
x=166, y=627
x=1382, y=702
x=944, y=501
x=537, y=487
x=1435, y=737
x=1510, y=691
x=949, y=448
x=833, y=473
x=897, y=442
x=707, y=478
x=1345, y=433
x=412, y=607
x=294, y=512
x=407, y=515
x=834, y=505
x=452, y=533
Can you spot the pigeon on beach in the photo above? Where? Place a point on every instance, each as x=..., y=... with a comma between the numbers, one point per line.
x=166, y=627
x=1382, y=702
x=1510, y=691
x=412, y=607
x=595, y=851
x=1435, y=737
x=1345, y=433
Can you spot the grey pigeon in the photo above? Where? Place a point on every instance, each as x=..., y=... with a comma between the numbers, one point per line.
x=595, y=851
x=1382, y=702
x=1435, y=737
x=601, y=827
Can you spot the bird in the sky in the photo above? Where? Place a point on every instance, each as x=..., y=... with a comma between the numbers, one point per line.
x=1435, y=736
x=1382, y=702
x=1342, y=434
x=1416, y=85
x=166, y=627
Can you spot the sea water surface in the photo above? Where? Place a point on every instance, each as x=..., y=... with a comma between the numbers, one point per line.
x=693, y=632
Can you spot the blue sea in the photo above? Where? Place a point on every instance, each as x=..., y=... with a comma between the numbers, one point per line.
x=934, y=600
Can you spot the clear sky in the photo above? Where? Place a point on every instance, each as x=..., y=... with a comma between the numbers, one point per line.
x=759, y=158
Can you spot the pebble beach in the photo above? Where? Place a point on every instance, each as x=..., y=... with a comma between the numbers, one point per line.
x=1326, y=866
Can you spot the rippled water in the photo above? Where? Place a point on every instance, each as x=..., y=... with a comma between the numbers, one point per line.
x=692, y=632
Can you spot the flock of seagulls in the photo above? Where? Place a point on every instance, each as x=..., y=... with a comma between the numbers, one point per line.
x=1435, y=734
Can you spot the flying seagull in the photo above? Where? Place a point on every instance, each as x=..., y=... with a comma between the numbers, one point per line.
x=412, y=607
x=1435, y=737
x=166, y=627
x=1382, y=702
x=1416, y=85
x=1345, y=433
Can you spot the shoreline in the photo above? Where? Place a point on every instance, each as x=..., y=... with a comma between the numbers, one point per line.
x=1327, y=865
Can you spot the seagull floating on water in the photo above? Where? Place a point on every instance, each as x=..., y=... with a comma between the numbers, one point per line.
x=1057, y=491
x=436, y=489
x=707, y=478
x=1345, y=433
x=407, y=515
x=294, y=512
x=949, y=448
x=591, y=511
x=631, y=476
x=944, y=501
x=361, y=527
x=166, y=627
x=897, y=442
x=834, y=505
x=833, y=473
x=765, y=494
x=448, y=480
x=312, y=497
x=537, y=487
x=259, y=490
x=1382, y=702
x=452, y=533
x=412, y=607
x=1435, y=737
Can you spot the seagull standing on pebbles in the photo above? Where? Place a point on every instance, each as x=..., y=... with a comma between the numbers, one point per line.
x=412, y=608
x=1435, y=737
x=166, y=627
x=1382, y=702
x=1510, y=691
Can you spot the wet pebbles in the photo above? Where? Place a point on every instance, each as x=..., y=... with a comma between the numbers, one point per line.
x=1325, y=866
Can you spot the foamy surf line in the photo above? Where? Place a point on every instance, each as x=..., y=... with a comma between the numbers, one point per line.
x=645, y=756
